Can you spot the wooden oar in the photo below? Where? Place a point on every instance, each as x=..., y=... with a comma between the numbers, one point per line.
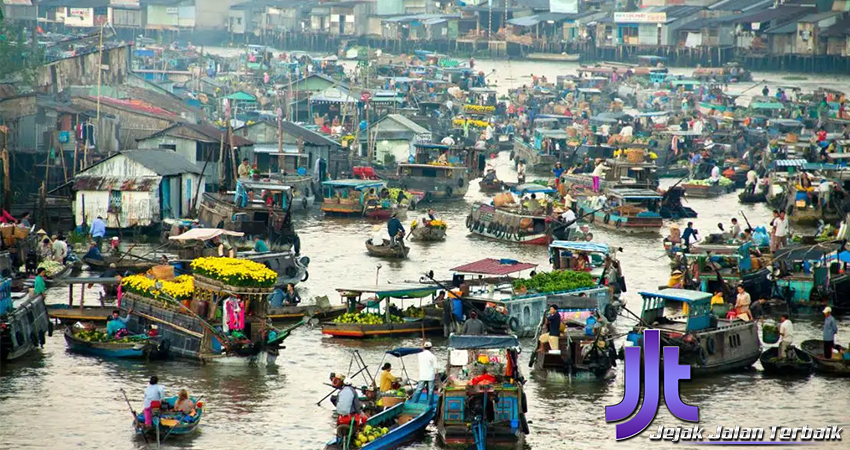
x=135, y=419
x=124, y=254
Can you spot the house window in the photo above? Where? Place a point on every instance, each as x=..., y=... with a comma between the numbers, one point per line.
x=238, y=21
x=114, y=205
x=172, y=147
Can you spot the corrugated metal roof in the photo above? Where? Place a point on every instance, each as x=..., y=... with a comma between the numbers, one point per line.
x=781, y=14
x=788, y=28
x=164, y=162
x=790, y=162
x=105, y=183
x=311, y=137
x=839, y=29
x=413, y=126
x=211, y=133
x=496, y=267
x=812, y=18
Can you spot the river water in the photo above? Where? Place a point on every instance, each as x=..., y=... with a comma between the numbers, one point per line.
x=63, y=400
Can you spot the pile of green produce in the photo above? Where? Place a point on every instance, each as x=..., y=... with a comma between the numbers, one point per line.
x=100, y=336
x=723, y=182
x=368, y=435
x=366, y=319
x=414, y=312
x=557, y=280
x=51, y=268
x=395, y=191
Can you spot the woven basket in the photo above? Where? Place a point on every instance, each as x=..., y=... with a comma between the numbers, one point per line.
x=635, y=156
x=21, y=232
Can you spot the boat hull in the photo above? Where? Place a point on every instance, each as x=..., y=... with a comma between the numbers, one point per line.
x=107, y=349
x=359, y=331
x=386, y=251
x=397, y=436
x=613, y=221
x=293, y=313
x=836, y=367
x=169, y=425
x=124, y=265
x=700, y=191
x=747, y=199
x=428, y=234
x=804, y=366
x=26, y=326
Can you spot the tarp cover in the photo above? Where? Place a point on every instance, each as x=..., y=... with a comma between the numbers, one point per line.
x=806, y=252
x=491, y=266
x=581, y=246
x=404, y=351
x=482, y=342
x=204, y=234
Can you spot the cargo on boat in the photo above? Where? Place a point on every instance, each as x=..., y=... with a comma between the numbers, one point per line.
x=392, y=320
x=357, y=198
x=623, y=209
x=95, y=343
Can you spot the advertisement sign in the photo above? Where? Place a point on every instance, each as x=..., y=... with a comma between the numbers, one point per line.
x=563, y=6
x=172, y=11
x=80, y=17
x=18, y=2
x=640, y=17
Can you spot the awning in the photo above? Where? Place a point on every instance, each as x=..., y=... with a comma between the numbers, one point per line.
x=497, y=267
x=806, y=252
x=527, y=21
x=404, y=351
x=679, y=295
x=482, y=342
x=204, y=234
x=581, y=246
x=408, y=290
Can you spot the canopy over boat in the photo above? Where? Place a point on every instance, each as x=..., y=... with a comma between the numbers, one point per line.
x=457, y=342
x=205, y=234
x=496, y=267
x=531, y=188
x=806, y=252
x=680, y=295
x=400, y=290
x=404, y=351
x=635, y=193
x=267, y=185
x=588, y=247
x=355, y=184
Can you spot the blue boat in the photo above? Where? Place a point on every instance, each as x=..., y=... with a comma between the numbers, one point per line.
x=137, y=347
x=169, y=422
x=404, y=421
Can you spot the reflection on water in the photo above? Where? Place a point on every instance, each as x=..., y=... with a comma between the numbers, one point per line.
x=61, y=399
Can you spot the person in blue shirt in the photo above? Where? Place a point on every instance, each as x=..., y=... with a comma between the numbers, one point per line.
x=276, y=297
x=260, y=246
x=690, y=234
x=558, y=170
x=117, y=323
x=394, y=227
x=93, y=253
x=830, y=329
x=98, y=231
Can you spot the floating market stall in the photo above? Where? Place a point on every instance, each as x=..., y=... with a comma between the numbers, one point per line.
x=371, y=322
x=357, y=198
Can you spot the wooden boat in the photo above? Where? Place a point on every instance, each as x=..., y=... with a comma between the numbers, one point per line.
x=566, y=57
x=471, y=414
x=25, y=327
x=491, y=185
x=803, y=364
x=409, y=326
x=136, y=347
x=747, y=198
x=814, y=348
x=298, y=312
x=427, y=234
x=351, y=198
x=636, y=210
x=708, y=344
x=246, y=212
x=171, y=423
x=535, y=156
x=387, y=251
x=404, y=422
x=579, y=355
x=512, y=222
x=69, y=314
x=122, y=264
x=704, y=191
x=433, y=181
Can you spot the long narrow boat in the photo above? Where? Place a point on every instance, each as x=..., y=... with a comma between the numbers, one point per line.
x=387, y=251
x=172, y=423
x=298, y=312
x=637, y=210
x=132, y=347
x=122, y=264
x=404, y=422
x=803, y=364
x=387, y=325
x=839, y=367
x=23, y=329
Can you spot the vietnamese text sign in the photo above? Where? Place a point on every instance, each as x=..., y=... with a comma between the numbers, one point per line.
x=640, y=17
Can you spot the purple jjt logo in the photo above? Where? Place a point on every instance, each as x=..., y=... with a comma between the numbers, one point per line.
x=673, y=372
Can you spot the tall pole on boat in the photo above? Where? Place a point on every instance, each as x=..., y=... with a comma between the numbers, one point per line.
x=99, y=70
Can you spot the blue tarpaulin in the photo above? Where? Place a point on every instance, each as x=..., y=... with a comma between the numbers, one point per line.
x=404, y=351
x=482, y=342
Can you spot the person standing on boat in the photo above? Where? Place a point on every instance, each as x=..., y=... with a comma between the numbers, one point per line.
x=742, y=304
x=291, y=297
x=597, y=174
x=60, y=249
x=244, y=170
x=153, y=393
x=553, y=327
x=427, y=372
x=98, y=231
x=780, y=231
x=830, y=329
x=39, y=286
x=690, y=234
x=786, y=335
x=520, y=172
x=752, y=181
x=735, y=229
x=715, y=175
x=395, y=228
x=473, y=325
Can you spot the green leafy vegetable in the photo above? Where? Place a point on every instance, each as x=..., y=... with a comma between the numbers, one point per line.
x=558, y=280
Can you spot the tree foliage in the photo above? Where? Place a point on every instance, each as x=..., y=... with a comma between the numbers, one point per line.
x=18, y=62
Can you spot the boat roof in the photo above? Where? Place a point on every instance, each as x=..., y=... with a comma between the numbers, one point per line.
x=682, y=295
x=491, y=266
x=635, y=193
x=581, y=246
x=557, y=134
x=404, y=351
x=461, y=342
x=399, y=290
x=204, y=234
x=787, y=122
x=531, y=188
x=267, y=185
x=356, y=184
x=433, y=166
x=432, y=145
x=685, y=82
x=589, y=91
x=806, y=252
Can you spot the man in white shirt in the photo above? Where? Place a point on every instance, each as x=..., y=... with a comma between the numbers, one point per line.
x=449, y=105
x=752, y=180
x=824, y=189
x=520, y=172
x=153, y=393
x=786, y=335
x=427, y=371
x=627, y=130
x=781, y=230
x=448, y=140
x=569, y=218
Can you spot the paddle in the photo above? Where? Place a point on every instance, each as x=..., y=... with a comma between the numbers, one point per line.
x=135, y=418
x=125, y=254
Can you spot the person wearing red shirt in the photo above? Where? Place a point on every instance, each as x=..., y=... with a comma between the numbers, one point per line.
x=821, y=135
